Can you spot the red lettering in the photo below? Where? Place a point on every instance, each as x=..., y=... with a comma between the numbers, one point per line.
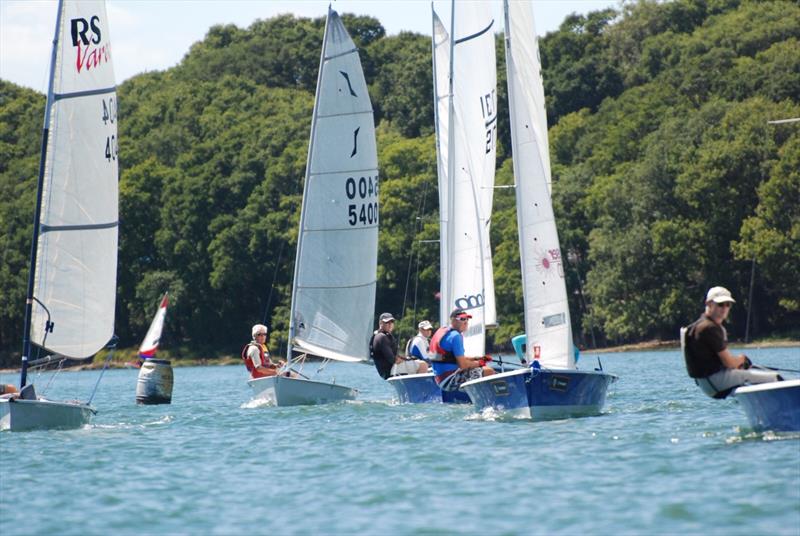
x=91, y=57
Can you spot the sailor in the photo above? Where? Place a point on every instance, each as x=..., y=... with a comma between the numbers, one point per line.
x=714, y=368
x=383, y=350
x=256, y=354
x=418, y=347
x=450, y=366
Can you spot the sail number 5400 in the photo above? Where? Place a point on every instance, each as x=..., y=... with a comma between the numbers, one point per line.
x=364, y=192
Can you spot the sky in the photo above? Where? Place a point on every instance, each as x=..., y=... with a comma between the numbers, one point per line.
x=153, y=35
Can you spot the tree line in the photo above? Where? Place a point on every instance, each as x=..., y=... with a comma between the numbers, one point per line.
x=667, y=176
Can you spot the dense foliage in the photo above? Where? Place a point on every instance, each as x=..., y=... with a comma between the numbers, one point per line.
x=668, y=177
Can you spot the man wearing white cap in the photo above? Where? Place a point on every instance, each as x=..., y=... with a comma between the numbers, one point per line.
x=714, y=368
x=418, y=347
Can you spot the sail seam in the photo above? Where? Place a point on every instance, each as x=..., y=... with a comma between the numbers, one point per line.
x=360, y=170
x=338, y=286
x=473, y=36
x=77, y=94
x=91, y=227
x=343, y=114
x=340, y=54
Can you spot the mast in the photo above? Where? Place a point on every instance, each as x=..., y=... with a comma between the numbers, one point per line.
x=448, y=297
x=292, y=326
x=510, y=67
x=26, y=333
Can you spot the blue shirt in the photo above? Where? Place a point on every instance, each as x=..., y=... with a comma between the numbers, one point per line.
x=452, y=342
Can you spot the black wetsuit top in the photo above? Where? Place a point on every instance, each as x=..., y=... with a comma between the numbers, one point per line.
x=705, y=339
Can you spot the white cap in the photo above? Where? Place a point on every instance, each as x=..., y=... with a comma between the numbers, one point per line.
x=719, y=295
x=258, y=328
x=425, y=325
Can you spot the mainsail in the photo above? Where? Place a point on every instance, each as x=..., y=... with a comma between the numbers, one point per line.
x=465, y=80
x=547, y=321
x=333, y=296
x=153, y=338
x=74, y=286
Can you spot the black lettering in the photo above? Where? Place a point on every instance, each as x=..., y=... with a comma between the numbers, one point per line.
x=78, y=29
x=352, y=217
x=350, y=188
x=96, y=29
x=362, y=187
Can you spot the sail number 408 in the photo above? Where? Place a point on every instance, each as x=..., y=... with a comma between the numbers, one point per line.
x=364, y=192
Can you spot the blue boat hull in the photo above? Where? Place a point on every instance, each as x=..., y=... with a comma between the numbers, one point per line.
x=771, y=406
x=422, y=389
x=542, y=394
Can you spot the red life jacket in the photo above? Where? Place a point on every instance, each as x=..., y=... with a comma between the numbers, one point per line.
x=446, y=355
x=251, y=367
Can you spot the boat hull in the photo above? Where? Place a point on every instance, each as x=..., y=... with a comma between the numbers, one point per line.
x=541, y=394
x=283, y=391
x=19, y=415
x=422, y=389
x=771, y=406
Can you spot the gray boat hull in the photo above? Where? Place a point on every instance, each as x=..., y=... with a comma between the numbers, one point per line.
x=19, y=415
x=283, y=391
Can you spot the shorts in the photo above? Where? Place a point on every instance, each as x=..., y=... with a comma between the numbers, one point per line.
x=454, y=381
x=405, y=367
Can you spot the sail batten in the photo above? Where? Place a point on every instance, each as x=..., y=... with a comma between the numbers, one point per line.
x=333, y=294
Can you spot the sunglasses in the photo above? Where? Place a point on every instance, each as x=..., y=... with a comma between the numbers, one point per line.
x=462, y=318
x=257, y=334
x=724, y=304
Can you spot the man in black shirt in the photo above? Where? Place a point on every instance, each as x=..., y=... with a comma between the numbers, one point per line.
x=714, y=368
x=383, y=346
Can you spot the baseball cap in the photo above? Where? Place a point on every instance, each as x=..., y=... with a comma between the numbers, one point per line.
x=386, y=317
x=460, y=314
x=425, y=325
x=719, y=295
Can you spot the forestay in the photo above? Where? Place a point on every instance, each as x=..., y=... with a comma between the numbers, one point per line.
x=467, y=133
x=547, y=321
x=333, y=297
x=76, y=255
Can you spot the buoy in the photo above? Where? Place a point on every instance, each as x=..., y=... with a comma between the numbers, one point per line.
x=154, y=385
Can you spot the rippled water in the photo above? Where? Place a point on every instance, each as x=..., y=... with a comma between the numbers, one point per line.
x=662, y=459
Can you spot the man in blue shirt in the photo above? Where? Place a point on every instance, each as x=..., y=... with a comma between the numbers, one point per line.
x=418, y=347
x=451, y=366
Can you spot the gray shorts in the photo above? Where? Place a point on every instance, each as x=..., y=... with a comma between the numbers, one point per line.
x=454, y=381
x=720, y=384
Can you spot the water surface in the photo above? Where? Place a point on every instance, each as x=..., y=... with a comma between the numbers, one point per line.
x=663, y=459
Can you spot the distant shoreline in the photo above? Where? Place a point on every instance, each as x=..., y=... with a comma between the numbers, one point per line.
x=675, y=344
x=637, y=347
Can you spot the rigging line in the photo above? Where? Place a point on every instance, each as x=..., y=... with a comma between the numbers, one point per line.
x=274, y=278
x=416, y=280
x=417, y=219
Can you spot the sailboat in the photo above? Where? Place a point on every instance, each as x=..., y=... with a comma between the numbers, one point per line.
x=465, y=95
x=333, y=292
x=551, y=387
x=155, y=380
x=71, y=293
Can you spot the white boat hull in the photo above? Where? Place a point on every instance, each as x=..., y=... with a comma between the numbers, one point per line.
x=283, y=391
x=19, y=415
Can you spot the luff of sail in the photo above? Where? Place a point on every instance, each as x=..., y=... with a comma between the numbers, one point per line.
x=153, y=336
x=468, y=158
x=76, y=252
x=333, y=298
x=547, y=320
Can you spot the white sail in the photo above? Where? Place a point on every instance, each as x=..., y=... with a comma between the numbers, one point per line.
x=547, y=320
x=441, y=94
x=76, y=263
x=333, y=298
x=469, y=158
x=153, y=337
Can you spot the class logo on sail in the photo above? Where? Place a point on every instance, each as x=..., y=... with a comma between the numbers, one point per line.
x=87, y=40
x=470, y=302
